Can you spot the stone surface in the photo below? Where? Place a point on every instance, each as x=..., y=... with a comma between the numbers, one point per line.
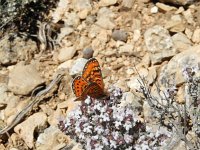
x=178, y=2
x=23, y=79
x=107, y=2
x=27, y=128
x=181, y=42
x=165, y=7
x=52, y=138
x=18, y=50
x=88, y=53
x=119, y=35
x=78, y=66
x=159, y=43
x=196, y=36
x=186, y=58
x=105, y=18
x=66, y=53
x=126, y=49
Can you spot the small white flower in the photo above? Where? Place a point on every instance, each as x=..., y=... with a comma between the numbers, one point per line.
x=115, y=135
x=105, y=116
x=88, y=100
x=81, y=136
x=128, y=125
x=87, y=128
x=105, y=141
x=113, y=144
x=97, y=106
x=129, y=148
x=99, y=129
x=98, y=146
x=128, y=138
x=117, y=124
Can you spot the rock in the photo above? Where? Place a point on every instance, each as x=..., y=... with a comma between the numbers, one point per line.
x=52, y=138
x=72, y=20
x=129, y=98
x=136, y=35
x=66, y=65
x=126, y=49
x=27, y=128
x=159, y=43
x=188, y=33
x=107, y=2
x=188, y=16
x=175, y=24
x=154, y=10
x=23, y=79
x=120, y=35
x=127, y=4
x=178, y=2
x=189, y=57
x=181, y=42
x=165, y=7
x=196, y=36
x=105, y=19
x=18, y=49
x=66, y=53
x=64, y=32
x=3, y=94
x=81, y=5
x=88, y=53
x=78, y=66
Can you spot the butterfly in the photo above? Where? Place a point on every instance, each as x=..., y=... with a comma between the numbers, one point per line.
x=90, y=83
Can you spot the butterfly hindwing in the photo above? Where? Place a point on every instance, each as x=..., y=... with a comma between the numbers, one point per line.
x=92, y=72
x=79, y=85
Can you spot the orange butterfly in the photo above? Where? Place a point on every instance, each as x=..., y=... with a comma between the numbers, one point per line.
x=90, y=83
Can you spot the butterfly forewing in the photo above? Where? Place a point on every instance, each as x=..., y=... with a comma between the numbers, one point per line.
x=79, y=85
x=92, y=72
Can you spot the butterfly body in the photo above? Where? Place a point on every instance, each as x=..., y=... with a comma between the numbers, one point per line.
x=90, y=83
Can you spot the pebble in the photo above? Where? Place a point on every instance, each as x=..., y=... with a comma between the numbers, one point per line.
x=126, y=49
x=26, y=129
x=23, y=79
x=107, y=2
x=66, y=53
x=127, y=4
x=78, y=66
x=196, y=35
x=154, y=10
x=165, y=7
x=88, y=53
x=159, y=43
x=119, y=35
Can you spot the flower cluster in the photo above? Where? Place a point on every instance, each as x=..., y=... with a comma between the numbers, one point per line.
x=103, y=124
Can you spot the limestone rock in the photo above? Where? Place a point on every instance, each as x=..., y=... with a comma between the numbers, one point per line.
x=52, y=138
x=107, y=2
x=66, y=53
x=78, y=66
x=159, y=43
x=26, y=129
x=23, y=79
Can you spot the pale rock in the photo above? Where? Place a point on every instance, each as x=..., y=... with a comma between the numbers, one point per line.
x=154, y=10
x=69, y=105
x=175, y=24
x=83, y=14
x=26, y=129
x=178, y=2
x=180, y=10
x=136, y=35
x=60, y=10
x=64, y=32
x=196, y=36
x=159, y=43
x=3, y=94
x=20, y=50
x=52, y=138
x=129, y=71
x=165, y=7
x=80, y=5
x=55, y=117
x=105, y=19
x=180, y=96
x=188, y=16
x=181, y=42
x=66, y=65
x=82, y=42
x=66, y=53
x=126, y=49
x=94, y=31
x=128, y=98
x=107, y=2
x=187, y=58
x=127, y=4
x=71, y=19
x=146, y=60
x=23, y=79
x=152, y=75
x=188, y=33
x=78, y=66
x=147, y=112
x=122, y=85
